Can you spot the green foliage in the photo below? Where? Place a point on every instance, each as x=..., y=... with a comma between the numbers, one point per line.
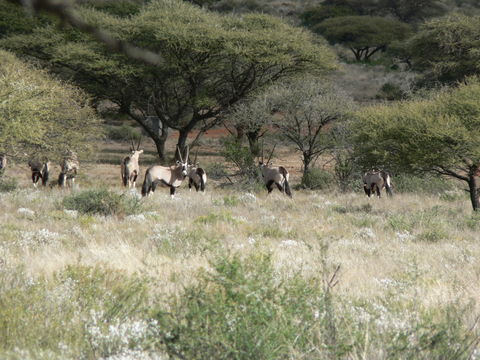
x=446, y=50
x=242, y=158
x=241, y=310
x=41, y=115
x=391, y=92
x=316, y=15
x=13, y=20
x=7, y=184
x=123, y=133
x=364, y=35
x=121, y=8
x=317, y=179
x=426, y=184
x=102, y=202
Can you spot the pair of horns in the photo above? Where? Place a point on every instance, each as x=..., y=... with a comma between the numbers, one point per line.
x=270, y=156
x=180, y=154
x=132, y=144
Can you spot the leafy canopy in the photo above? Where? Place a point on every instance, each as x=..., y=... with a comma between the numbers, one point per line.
x=447, y=49
x=40, y=115
x=364, y=35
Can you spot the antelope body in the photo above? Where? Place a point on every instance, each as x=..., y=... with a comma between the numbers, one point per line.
x=40, y=170
x=130, y=168
x=275, y=176
x=68, y=169
x=171, y=176
x=374, y=181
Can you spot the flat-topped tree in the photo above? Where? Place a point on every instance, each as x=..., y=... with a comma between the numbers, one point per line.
x=209, y=61
x=437, y=135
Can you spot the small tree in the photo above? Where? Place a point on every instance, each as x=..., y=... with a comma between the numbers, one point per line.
x=437, y=135
x=42, y=116
x=304, y=110
x=363, y=35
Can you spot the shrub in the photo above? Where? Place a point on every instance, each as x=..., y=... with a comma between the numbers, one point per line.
x=242, y=158
x=102, y=202
x=427, y=184
x=317, y=179
x=7, y=184
x=122, y=133
x=391, y=92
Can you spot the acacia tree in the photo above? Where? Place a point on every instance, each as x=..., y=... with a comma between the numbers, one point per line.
x=363, y=35
x=304, y=108
x=209, y=61
x=437, y=135
x=446, y=50
x=41, y=116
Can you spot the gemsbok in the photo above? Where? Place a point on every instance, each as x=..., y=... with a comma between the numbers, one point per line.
x=3, y=163
x=68, y=169
x=196, y=176
x=130, y=168
x=171, y=176
x=375, y=180
x=40, y=170
x=274, y=175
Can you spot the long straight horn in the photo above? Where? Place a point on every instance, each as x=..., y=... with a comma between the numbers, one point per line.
x=139, y=142
x=179, y=154
x=132, y=144
x=195, y=160
x=187, y=153
x=271, y=154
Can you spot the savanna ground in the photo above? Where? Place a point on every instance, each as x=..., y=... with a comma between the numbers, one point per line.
x=234, y=273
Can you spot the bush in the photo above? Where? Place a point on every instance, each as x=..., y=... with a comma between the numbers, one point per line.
x=242, y=158
x=123, y=133
x=427, y=184
x=317, y=179
x=391, y=92
x=7, y=184
x=102, y=202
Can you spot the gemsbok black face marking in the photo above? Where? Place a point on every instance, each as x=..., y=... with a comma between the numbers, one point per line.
x=374, y=181
x=68, y=169
x=130, y=168
x=169, y=176
x=196, y=176
x=274, y=175
x=40, y=170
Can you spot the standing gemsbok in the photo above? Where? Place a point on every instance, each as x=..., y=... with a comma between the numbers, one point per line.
x=130, y=168
x=68, y=169
x=196, y=176
x=376, y=180
x=40, y=170
x=171, y=176
x=274, y=175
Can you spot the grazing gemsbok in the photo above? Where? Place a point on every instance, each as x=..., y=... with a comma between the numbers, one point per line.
x=171, y=176
x=130, y=168
x=40, y=170
x=196, y=176
x=3, y=162
x=274, y=175
x=68, y=169
x=376, y=180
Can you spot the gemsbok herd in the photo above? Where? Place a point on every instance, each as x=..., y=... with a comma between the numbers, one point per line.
x=172, y=176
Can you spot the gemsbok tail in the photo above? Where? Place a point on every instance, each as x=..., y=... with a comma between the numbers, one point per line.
x=147, y=183
x=202, y=175
x=286, y=185
x=388, y=183
x=45, y=174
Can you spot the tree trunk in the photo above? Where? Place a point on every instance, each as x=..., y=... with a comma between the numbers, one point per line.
x=240, y=132
x=160, y=145
x=252, y=137
x=472, y=185
x=182, y=140
x=306, y=166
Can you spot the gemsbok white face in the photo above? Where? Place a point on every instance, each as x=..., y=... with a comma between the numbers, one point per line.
x=171, y=176
x=275, y=175
x=130, y=167
x=68, y=169
x=374, y=181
